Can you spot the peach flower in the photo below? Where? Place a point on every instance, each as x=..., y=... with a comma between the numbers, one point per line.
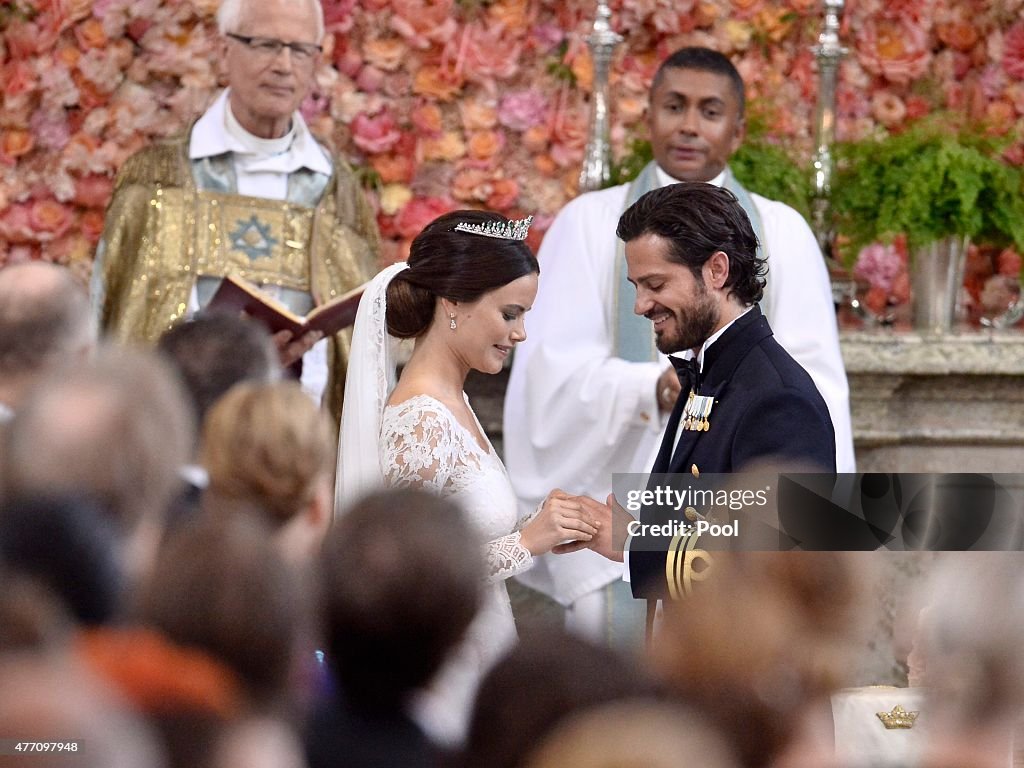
x=437, y=83
x=393, y=198
x=14, y=143
x=423, y=21
x=472, y=185
x=537, y=139
x=393, y=168
x=888, y=108
x=746, y=9
x=488, y=53
x=512, y=14
x=959, y=34
x=504, y=193
x=15, y=226
x=18, y=77
x=387, y=53
x=484, y=145
x=427, y=119
x=90, y=34
x=478, y=114
x=897, y=49
x=49, y=218
x=446, y=147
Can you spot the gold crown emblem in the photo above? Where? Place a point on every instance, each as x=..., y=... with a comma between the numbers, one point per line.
x=508, y=230
x=897, y=717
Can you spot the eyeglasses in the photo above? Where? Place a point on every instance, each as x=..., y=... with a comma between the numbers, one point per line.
x=269, y=48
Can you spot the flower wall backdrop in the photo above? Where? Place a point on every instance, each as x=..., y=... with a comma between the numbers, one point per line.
x=450, y=103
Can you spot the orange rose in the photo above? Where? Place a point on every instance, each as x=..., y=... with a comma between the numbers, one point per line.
x=959, y=34
x=68, y=56
x=744, y=9
x=427, y=119
x=385, y=53
x=472, y=185
x=15, y=143
x=1000, y=115
x=706, y=14
x=513, y=14
x=504, y=193
x=483, y=145
x=90, y=34
x=537, y=138
x=448, y=146
x=49, y=217
x=436, y=83
x=546, y=165
x=393, y=168
x=478, y=115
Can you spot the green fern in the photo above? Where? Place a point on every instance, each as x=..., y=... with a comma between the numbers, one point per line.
x=928, y=182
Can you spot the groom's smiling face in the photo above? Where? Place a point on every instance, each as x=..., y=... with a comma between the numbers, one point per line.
x=489, y=328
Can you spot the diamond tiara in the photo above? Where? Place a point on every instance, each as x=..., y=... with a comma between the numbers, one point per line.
x=509, y=230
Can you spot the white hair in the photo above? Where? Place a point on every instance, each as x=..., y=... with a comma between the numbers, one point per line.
x=229, y=16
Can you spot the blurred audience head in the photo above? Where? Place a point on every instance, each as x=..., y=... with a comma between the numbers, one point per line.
x=45, y=324
x=48, y=699
x=402, y=573
x=215, y=351
x=269, y=448
x=68, y=547
x=631, y=734
x=219, y=585
x=547, y=677
x=115, y=431
x=762, y=641
x=967, y=656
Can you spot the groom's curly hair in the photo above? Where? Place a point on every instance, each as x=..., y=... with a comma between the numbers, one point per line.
x=458, y=266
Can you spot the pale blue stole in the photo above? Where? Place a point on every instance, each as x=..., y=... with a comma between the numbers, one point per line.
x=634, y=334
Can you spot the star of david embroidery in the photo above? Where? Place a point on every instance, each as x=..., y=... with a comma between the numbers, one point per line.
x=253, y=238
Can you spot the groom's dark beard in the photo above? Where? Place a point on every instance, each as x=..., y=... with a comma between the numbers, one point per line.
x=693, y=325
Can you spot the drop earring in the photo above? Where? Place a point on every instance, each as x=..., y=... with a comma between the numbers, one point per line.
x=452, y=323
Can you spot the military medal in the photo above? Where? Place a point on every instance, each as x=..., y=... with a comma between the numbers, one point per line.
x=698, y=408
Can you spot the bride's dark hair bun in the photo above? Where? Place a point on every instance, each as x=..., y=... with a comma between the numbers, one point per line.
x=459, y=266
x=410, y=307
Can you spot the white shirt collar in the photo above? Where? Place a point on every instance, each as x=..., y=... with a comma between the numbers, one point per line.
x=210, y=137
x=688, y=354
x=664, y=179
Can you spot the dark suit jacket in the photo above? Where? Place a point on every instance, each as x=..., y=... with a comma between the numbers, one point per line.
x=766, y=409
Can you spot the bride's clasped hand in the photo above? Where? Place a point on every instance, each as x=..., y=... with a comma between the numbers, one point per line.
x=562, y=517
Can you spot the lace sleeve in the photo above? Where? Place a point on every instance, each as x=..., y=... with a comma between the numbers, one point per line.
x=421, y=448
x=506, y=557
x=418, y=448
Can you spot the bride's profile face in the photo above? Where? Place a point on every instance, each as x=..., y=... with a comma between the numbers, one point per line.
x=488, y=328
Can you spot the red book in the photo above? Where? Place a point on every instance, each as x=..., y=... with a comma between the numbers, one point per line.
x=236, y=294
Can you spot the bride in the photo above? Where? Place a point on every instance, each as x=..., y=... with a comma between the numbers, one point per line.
x=462, y=296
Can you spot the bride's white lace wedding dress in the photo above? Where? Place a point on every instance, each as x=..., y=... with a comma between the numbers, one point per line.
x=422, y=445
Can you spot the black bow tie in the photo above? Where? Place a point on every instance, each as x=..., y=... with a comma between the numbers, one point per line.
x=688, y=372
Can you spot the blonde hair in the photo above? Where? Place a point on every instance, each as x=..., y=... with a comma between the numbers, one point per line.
x=267, y=444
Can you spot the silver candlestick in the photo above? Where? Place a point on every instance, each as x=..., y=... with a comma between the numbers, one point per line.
x=602, y=40
x=828, y=52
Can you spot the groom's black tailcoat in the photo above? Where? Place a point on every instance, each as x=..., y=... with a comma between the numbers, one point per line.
x=766, y=410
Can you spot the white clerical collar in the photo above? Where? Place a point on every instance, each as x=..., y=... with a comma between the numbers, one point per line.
x=214, y=134
x=664, y=179
x=688, y=354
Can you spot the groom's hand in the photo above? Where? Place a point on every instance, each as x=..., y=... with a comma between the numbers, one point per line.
x=610, y=539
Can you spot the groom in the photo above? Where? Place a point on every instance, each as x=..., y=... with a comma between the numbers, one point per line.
x=691, y=254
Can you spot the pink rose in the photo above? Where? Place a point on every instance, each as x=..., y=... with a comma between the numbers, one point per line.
x=1013, y=51
x=888, y=108
x=423, y=21
x=880, y=265
x=375, y=134
x=338, y=15
x=419, y=212
x=18, y=78
x=490, y=53
x=15, y=226
x=49, y=219
x=547, y=37
x=522, y=110
x=93, y=191
x=51, y=130
x=897, y=49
